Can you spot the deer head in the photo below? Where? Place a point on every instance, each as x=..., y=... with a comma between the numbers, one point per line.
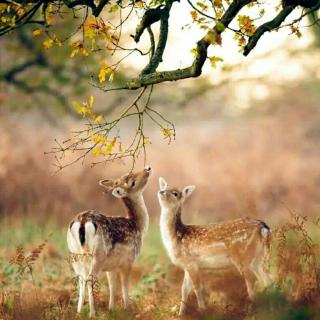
x=172, y=198
x=129, y=185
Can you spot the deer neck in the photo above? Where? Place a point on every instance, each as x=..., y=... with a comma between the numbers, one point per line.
x=171, y=224
x=137, y=211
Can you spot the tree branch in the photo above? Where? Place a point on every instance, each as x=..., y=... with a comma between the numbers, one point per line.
x=100, y=7
x=156, y=58
x=268, y=26
x=150, y=17
x=201, y=54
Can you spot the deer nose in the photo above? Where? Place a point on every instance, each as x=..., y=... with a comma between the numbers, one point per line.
x=147, y=168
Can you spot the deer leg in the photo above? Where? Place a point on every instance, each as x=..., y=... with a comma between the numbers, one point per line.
x=90, y=283
x=185, y=291
x=112, y=287
x=264, y=275
x=197, y=287
x=82, y=287
x=124, y=277
x=250, y=282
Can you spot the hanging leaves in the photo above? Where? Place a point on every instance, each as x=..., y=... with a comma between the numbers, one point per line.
x=246, y=25
x=78, y=47
x=214, y=60
x=47, y=44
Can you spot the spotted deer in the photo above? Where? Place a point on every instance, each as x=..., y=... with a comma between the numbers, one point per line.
x=100, y=243
x=242, y=243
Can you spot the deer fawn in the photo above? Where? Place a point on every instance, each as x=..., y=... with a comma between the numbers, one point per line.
x=111, y=244
x=242, y=243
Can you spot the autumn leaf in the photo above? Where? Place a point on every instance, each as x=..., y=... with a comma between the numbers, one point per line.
x=296, y=31
x=103, y=72
x=47, y=44
x=98, y=119
x=81, y=109
x=91, y=101
x=167, y=133
x=96, y=151
x=114, y=8
x=194, y=15
x=111, y=76
x=36, y=32
x=139, y=4
x=246, y=25
x=214, y=60
x=217, y=3
x=74, y=52
x=78, y=47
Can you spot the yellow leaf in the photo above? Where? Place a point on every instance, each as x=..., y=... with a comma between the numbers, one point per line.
x=139, y=3
x=103, y=72
x=85, y=52
x=111, y=76
x=96, y=151
x=37, y=32
x=167, y=133
x=47, y=44
x=50, y=20
x=91, y=100
x=195, y=52
x=76, y=106
x=214, y=60
x=74, y=52
x=145, y=141
x=194, y=15
x=98, y=118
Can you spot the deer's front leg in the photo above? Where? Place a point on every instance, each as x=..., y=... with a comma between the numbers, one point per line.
x=124, y=276
x=185, y=291
x=112, y=287
x=197, y=286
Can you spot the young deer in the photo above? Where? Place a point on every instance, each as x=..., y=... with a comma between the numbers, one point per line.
x=242, y=243
x=111, y=244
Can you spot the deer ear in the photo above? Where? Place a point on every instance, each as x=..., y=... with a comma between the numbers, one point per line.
x=119, y=192
x=187, y=191
x=162, y=184
x=107, y=184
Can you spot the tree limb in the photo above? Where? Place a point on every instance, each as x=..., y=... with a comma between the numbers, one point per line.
x=268, y=26
x=201, y=54
x=156, y=58
x=150, y=17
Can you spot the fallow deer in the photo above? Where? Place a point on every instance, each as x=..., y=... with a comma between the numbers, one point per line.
x=242, y=243
x=100, y=243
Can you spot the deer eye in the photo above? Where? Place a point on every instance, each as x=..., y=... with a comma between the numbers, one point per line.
x=175, y=193
x=133, y=183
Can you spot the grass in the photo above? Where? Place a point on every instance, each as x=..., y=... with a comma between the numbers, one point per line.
x=50, y=293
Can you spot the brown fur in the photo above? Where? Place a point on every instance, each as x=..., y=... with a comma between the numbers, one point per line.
x=241, y=243
x=113, y=242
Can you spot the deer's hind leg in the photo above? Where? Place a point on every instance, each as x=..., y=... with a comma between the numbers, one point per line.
x=197, y=286
x=112, y=281
x=82, y=290
x=245, y=271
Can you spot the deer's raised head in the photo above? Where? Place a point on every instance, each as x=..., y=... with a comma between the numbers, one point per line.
x=129, y=185
x=172, y=197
